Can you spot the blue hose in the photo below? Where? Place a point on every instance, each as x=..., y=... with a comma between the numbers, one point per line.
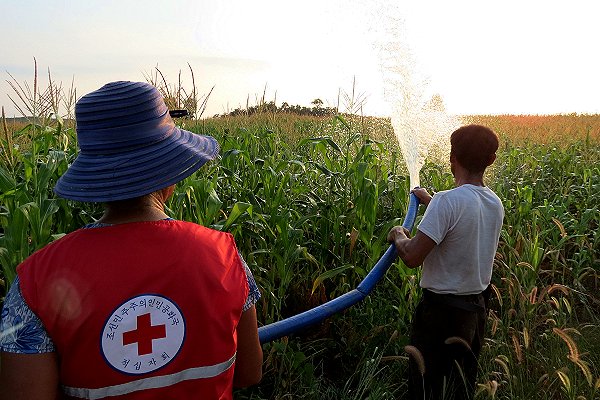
x=315, y=315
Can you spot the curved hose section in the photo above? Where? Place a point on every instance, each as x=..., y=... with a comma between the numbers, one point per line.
x=315, y=315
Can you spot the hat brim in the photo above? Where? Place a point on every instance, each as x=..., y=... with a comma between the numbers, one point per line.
x=112, y=177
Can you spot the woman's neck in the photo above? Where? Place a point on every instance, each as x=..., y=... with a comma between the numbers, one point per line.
x=146, y=208
x=114, y=217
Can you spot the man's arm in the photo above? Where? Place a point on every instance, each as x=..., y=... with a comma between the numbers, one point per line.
x=29, y=376
x=248, y=363
x=412, y=251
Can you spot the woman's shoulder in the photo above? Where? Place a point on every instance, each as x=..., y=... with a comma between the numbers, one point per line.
x=187, y=228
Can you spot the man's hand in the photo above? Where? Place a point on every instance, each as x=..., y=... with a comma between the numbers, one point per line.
x=422, y=194
x=411, y=251
x=397, y=233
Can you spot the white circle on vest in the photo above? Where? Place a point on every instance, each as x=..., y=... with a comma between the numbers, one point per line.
x=143, y=334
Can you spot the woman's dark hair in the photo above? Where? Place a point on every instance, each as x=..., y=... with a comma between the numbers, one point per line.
x=474, y=147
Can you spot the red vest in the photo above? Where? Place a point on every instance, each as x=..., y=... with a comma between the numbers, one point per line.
x=144, y=310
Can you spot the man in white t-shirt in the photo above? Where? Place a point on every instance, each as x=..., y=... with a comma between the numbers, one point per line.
x=455, y=243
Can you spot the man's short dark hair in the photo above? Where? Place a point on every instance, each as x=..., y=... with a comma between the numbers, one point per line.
x=474, y=147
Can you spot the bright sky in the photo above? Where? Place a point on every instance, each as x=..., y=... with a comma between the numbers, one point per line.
x=482, y=57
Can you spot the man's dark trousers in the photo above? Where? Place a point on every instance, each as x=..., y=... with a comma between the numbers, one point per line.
x=439, y=324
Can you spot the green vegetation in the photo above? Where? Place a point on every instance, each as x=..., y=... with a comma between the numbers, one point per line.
x=310, y=200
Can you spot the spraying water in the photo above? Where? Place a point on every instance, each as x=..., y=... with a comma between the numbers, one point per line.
x=418, y=116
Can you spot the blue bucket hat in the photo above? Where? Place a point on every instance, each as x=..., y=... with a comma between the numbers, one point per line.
x=129, y=146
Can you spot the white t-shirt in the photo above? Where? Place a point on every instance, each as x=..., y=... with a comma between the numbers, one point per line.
x=465, y=224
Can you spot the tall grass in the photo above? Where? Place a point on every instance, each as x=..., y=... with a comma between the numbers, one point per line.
x=310, y=200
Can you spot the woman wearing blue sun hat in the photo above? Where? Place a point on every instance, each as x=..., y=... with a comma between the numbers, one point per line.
x=136, y=305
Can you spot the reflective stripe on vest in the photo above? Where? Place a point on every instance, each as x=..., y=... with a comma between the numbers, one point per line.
x=150, y=383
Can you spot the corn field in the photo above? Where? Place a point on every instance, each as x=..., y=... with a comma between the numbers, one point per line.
x=310, y=201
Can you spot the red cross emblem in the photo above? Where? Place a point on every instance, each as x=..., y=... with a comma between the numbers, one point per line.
x=144, y=334
x=151, y=322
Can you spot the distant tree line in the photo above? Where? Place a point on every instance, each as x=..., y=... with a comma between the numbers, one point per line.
x=316, y=109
